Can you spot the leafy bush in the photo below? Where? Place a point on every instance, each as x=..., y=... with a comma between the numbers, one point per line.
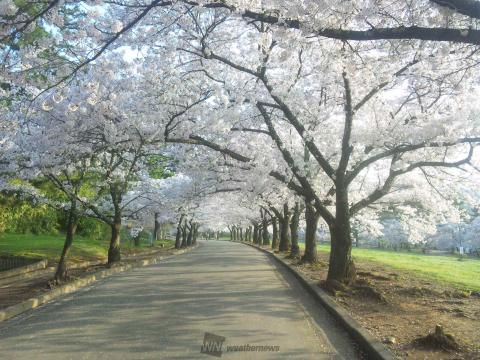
x=143, y=237
x=20, y=215
x=93, y=229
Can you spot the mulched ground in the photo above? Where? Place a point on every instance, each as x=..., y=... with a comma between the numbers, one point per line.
x=399, y=308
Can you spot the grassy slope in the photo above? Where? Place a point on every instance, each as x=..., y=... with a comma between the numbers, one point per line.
x=446, y=269
x=50, y=247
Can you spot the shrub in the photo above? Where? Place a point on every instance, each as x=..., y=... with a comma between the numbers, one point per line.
x=93, y=229
x=19, y=215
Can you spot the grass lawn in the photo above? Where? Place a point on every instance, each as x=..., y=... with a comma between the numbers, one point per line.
x=443, y=268
x=50, y=247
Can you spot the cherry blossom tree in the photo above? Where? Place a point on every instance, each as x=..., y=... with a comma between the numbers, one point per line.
x=53, y=40
x=299, y=93
x=420, y=95
x=94, y=124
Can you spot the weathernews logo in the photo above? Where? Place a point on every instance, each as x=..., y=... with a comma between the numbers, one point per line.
x=212, y=345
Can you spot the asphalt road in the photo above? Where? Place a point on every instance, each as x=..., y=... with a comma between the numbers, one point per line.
x=163, y=312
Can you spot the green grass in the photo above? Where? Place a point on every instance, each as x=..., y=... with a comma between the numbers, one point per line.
x=442, y=268
x=223, y=238
x=50, y=246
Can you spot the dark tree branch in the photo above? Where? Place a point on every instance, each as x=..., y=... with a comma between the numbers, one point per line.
x=347, y=131
x=226, y=190
x=403, y=149
x=169, y=128
x=466, y=36
x=108, y=43
x=260, y=131
x=11, y=37
x=470, y=8
x=290, y=183
x=280, y=105
x=312, y=147
x=375, y=90
x=308, y=191
x=387, y=186
x=198, y=140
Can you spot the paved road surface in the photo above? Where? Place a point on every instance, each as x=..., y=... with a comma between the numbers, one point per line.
x=163, y=312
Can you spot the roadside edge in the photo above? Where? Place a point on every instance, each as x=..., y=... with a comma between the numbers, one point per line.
x=374, y=349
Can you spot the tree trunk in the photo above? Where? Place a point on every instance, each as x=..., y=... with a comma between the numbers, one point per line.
x=178, y=237
x=341, y=267
x=116, y=225
x=295, y=249
x=114, y=250
x=195, y=234
x=284, y=230
x=184, y=234
x=156, y=230
x=265, y=234
x=275, y=233
x=255, y=234
x=190, y=234
x=61, y=273
x=241, y=234
x=311, y=219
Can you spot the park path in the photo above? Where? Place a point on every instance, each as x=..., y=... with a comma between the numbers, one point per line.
x=163, y=311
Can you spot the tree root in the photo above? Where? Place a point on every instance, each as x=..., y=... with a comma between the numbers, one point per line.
x=419, y=292
x=439, y=340
x=314, y=265
x=295, y=256
x=59, y=279
x=333, y=287
x=370, y=292
x=351, y=273
x=373, y=275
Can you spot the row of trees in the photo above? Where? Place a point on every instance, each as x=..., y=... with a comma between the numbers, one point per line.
x=320, y=93
x=187, y=233
x=329, y=110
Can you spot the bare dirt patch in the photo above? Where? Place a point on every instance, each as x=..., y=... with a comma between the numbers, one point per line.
x=403, y=310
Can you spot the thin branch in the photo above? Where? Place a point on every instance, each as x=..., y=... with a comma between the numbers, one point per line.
x=384, y=190
x=400, y=149
x=198, y=140
x=347, y=131
x=260, y=131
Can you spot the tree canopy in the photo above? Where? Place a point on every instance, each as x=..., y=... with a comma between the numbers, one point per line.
x=239, y=114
